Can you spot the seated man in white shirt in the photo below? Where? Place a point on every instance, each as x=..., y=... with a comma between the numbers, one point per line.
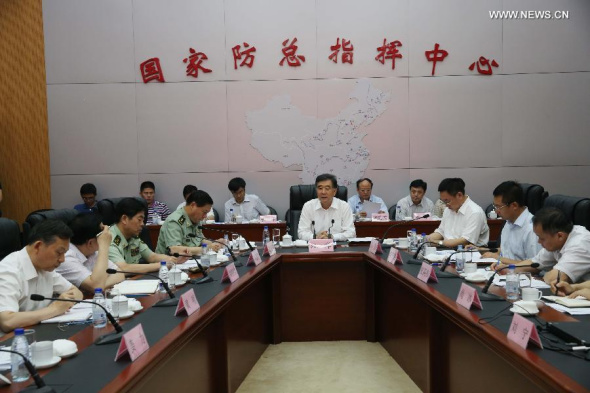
x=566, y=248
x=31, y=271
x=463, y=222
x=87, y=259
x=416, y=202
x=186, y=191
x=326, y=217
x=519, y=241
x=249, y=206
x=364, y=189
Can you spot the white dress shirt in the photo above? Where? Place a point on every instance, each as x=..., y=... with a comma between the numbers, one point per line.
x=356, y=206
x=77, y=268
x=469, y=223
x=19, y=280
x=250, y=209
x=574, y=257
x=407, y=208
x=519, y=241
x=343, y=228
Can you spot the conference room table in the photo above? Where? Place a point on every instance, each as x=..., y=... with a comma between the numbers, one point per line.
x=349, y=294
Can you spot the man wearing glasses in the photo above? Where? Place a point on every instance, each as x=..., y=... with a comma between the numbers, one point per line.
x=519, y=241
x=464, y=222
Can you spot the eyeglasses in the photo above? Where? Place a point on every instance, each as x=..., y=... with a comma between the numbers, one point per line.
x=446, y=201
x=498, y=207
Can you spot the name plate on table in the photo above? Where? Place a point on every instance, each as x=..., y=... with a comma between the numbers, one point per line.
x=394, y=256
x=427, y=273
x=321, y=245
x=188, y=302
x=230, y=273
x=269, y=249
x=133, y=343
x=522, y=331
x=468, y=297
x=254, y=258
x=379, y=217
x=375, y=247
x=268, y=219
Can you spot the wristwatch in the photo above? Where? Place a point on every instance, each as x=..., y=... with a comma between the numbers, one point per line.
x=440, y=242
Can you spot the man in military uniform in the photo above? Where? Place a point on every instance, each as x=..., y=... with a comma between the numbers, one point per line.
x=127, y=248
x=180, y=231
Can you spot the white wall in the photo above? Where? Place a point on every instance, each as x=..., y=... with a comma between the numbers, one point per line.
x=527, y=122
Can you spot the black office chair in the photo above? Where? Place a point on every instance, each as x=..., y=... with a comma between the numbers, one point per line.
x=576, y=208
x=273, y=212
x=216, y=214
x=392, y=211
x=37, y=216
x=534, y=196
x=106, y=209
x=300, y=194
x=10, y=237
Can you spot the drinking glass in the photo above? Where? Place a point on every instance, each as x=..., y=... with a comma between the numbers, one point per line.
x=276, y=237
x=235, y=243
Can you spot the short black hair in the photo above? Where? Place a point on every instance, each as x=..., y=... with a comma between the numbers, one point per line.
x=236, y=183
x=452, y=185
x=200, y=197
x=510, y=191
x=553, y=220
x=85, y=226
x=147, y=184
x=359, y=181
x=48, y=230
x=327, y=176
x=419, y=183
x=88, y=188
x=128, y=207
x=186, y=191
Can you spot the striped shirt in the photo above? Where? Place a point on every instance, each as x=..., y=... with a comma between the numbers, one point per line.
x=158, y=208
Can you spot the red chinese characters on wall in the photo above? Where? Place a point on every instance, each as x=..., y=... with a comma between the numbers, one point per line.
x=195, y=61
x=347, y=51
x=435, y=56
x=245, y=55
x=289, y=53
x=389, y=51
x=484, y=66
x=151, y=70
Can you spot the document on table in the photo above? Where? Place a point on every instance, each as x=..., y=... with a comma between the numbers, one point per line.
x=500, y=281
x=137, y=287
x=188, y=264
x=571, y=311
x=361, y=239
x=370, y=208
x=79, y=313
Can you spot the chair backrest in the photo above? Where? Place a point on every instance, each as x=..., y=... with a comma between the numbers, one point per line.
x=300, y=194
x=272, y=211
x=37, y=216
x=106, y=208
x=392, y=211
x=216, y=214
x=534, y=196
x=10, y=240
x=576, y=208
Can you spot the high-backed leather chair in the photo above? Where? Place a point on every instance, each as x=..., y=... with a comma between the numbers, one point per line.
x=576, y=208
x=106, y=208
x=534, y=196
x=273, y=212
x=37, y=216
x=300, y=194
x=10, y=240
x=392, y=211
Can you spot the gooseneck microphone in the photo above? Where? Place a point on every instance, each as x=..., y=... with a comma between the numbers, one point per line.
x=162, y=303
x=401, y=223
x=448, y=260
x=490, y=296
x=39, y=382
x=206, y=278
x=229, y=232
x=329, y=229
x=107, y=338
x=313, y=228
x=233, y=257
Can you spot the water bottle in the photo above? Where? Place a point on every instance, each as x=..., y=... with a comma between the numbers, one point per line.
x=265, y=236
x=413, y=246
x=171, y=283
x=99, y=318
x=460, y=259
x=232, y=216
x=20, y=345
x=226, y=241
x=204, y=255
x=398, y=213
x=512, y=284
x=163, y=274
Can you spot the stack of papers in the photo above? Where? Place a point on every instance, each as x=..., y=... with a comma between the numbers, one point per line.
x=361, y=239
x=571, y=311
x=79, y=313
x=188, y=264
x=137, y=287
x=500, y=281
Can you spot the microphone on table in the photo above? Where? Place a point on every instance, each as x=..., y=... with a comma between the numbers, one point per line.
x=490, y=296
x=415, y=256
x=206, y=278
x=233, y=257
x=313, y=228
x=173, y=301
x=329, y=229
x=107, y=338
x=230, y=232
x=440, y=273
x=41, y=387
x=401, y=223
x=448, y=260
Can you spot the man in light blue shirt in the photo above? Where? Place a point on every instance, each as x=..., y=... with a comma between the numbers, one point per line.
x=519, y=241
x=364, y=188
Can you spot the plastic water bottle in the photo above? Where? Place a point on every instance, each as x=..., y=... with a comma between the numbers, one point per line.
x=99, y=318
x=226, y=241
x=163, y=274
x=398, y=213
x=512, y=284
x=413, y=241
x=232, y=216
x=204, y=255
x=265, y=236
x=460, y=259
x=20, y=345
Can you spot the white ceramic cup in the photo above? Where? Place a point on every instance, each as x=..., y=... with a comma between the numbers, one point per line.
x=42, y=352
x=492, y=214
x=212, y=258
x=242, y=243
x=174, y=275
x=287, y=240
x=403, y=242
x=120, y=305
x=429, y=250
x=470, y=268
x=525, y=306
x=531, y=294
x=239, y=219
